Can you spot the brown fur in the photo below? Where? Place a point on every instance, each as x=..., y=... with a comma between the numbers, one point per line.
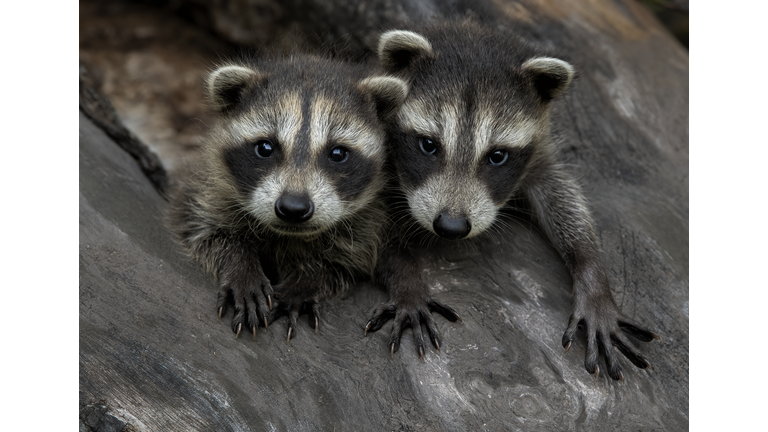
x=224, y=211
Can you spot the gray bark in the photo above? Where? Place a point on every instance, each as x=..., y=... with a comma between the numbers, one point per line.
x=153, y=354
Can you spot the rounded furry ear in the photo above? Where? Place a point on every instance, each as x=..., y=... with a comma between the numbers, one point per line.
x=399, y=48
x=226, y=84
x=550, y=76
x=389, y=94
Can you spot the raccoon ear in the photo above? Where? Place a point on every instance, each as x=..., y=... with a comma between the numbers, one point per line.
x=226, y=84
x=389, y=94
x=399, y=48
x=550, y=76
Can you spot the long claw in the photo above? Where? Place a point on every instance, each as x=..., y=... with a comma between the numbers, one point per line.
x=367, y=326
x=392, y=350
x=621, y=377
x=567, y=347
x=648, y=365
x=221, y=311
x=655, y=336
x=421, y=353
x=239, y=327
x=269, y=299
x=437, y=344
x=254, y=332
x=290, y=330
x=266, y=325
x=597, y=372
x=317, y=324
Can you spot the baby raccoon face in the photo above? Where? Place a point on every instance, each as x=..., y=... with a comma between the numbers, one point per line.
x=306, y=169
x=469, y=127
x=460, y=160
x=304, y=152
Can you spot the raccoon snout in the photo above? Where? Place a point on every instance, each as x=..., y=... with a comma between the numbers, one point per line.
x=294, y=209
x=451, y=228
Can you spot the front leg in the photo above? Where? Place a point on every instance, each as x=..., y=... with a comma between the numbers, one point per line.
x=300, y=292
x=562, y=213
x=242, y=282
x=409, y=301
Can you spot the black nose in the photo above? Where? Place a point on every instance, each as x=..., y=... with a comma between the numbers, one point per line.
x=294, y=209
x=451, y=228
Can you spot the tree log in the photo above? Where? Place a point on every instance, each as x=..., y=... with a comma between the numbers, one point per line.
x=154, y=357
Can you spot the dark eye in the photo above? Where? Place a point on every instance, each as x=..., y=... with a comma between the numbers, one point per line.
x=338, y=154
x=499, y=157
x=264, y=148
x=427, y=146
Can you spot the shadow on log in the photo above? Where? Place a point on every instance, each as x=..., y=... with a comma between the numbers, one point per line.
x=153, y=356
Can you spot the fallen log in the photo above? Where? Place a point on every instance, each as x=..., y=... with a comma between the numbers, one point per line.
x=154, y=357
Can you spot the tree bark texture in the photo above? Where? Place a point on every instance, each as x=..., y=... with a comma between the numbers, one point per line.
x=153, y=355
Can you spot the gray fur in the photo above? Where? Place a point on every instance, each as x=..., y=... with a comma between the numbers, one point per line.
x=391, y=92
x=479, y=95
x=228, y=77
x=474, y=91
x=561, y=73
x=223, y=211
x=398, y=47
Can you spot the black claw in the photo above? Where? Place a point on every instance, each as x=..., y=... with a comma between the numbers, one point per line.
x=567, y=339
x=413, y=316
x=290, y=330
x=239, y=327
x=444, y=310
x=367, y=326
x=637, y=331
x=621, y=342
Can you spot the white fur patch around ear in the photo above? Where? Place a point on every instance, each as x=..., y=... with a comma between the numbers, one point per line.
x=551, y=76
x=398, y=48
x=389, y=93
x=225, y=84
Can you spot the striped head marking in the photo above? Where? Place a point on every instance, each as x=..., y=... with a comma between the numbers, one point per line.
x=304, y=152
x=458, y=165
x=469, y=129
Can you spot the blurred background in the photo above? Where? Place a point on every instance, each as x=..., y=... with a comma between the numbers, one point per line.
x=673, y=14
x=148, y=57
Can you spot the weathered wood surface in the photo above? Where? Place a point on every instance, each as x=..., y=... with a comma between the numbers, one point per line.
x=152, y=351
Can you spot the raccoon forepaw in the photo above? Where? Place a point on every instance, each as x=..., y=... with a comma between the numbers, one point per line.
x=411, y=314
x=252, y=305
x=294, y=308
x=605, y=333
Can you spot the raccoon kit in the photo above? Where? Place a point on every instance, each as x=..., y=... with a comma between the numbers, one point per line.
x=474, y=132
x=285, y=201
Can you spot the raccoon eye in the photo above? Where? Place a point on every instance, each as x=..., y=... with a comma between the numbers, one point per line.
x=264, y=148
x=499, y=157
x=338, y=154
x=428, y=146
